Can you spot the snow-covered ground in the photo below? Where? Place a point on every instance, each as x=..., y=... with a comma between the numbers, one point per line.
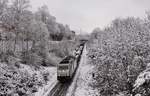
x=50, y=84
x=43, y=91
x=81, y=83
x=45, y=79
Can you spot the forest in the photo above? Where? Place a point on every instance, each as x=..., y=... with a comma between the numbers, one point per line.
x=32, y=43
x=28, y=41
x=121, y=56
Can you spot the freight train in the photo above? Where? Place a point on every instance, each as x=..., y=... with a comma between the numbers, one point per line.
x=67, y=67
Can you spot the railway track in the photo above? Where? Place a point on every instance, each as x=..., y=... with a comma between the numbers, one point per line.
x=60, y=89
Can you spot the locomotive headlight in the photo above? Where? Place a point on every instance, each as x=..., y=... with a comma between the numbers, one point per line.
x=67, y=71
x=63, y=71
x=60, y=71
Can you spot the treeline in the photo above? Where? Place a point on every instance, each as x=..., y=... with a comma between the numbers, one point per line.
x=22, y=30
x=120, y=52
x=16, y=17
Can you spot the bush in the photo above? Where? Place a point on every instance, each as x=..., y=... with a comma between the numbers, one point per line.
x=20, y=82
x=31, y=58
x=45, y=76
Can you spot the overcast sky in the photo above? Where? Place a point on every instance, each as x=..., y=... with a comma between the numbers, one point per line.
x=88, y=14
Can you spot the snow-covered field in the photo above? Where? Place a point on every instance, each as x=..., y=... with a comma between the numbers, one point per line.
x=81, y=83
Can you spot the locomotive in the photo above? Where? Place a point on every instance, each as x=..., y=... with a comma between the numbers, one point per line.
x=67, y=67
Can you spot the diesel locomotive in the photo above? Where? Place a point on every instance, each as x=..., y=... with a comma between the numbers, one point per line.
x=67, y=67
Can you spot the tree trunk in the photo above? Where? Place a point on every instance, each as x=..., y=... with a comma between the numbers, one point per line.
x=27, y=45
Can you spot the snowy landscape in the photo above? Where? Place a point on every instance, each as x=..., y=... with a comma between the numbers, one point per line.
x=47, y=48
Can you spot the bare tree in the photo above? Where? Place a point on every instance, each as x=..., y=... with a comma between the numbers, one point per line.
x=18, y=8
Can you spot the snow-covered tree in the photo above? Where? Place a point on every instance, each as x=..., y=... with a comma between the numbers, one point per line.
x=121, y=55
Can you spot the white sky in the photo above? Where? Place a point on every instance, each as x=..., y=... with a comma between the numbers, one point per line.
x=88, y=14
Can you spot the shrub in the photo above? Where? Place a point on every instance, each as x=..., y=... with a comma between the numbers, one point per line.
x=20, y=82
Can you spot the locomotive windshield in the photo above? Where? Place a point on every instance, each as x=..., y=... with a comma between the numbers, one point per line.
x=63, y=67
